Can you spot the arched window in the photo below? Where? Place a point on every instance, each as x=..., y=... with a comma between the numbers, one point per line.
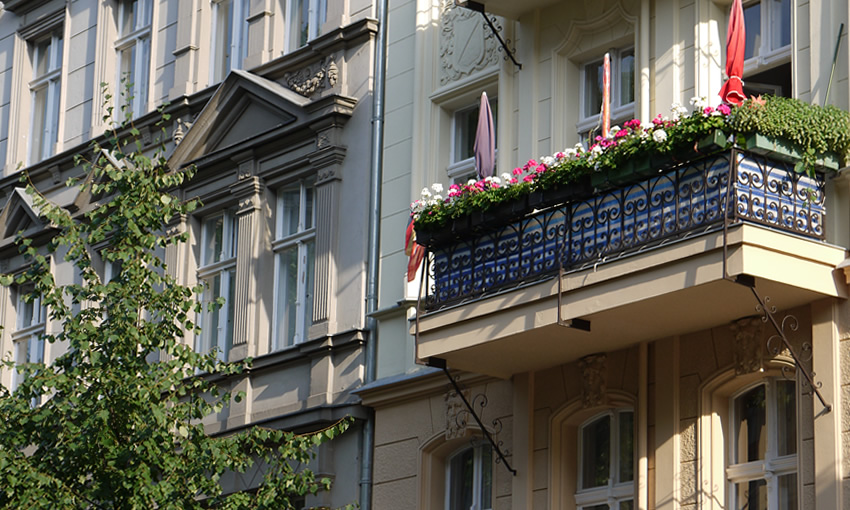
x=469, y=479
x=606, y=462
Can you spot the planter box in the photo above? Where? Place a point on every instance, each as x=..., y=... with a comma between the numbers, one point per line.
x=786, y=151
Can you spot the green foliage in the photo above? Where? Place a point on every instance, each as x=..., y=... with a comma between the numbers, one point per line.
x=112, y=428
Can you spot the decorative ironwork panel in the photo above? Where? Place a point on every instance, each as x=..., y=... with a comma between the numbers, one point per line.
x=684, y=201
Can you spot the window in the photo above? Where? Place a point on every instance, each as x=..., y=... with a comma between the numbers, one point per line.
x=622, y=90
x=134, y=50
x=762, y=467
x=218, y=274
x=306, y=18
x=29, y=330
x=469, y=479
x=465, y=124
x=294, y=247
x=45, y=87
x=606, y=467
x=767, y=66
x=230, y=37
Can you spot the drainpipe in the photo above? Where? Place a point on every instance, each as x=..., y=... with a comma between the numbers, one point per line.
x=374, y=253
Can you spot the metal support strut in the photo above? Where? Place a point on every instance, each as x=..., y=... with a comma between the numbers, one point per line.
x=479, y=7
x=436, y=362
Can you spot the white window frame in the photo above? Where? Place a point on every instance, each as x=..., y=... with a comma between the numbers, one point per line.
x=28, y=337
x=772, y=467
x=225, y=269
x=138, y=38
x=620, y=112
x=235, y=30
x=478, y=468
x=462, y=170
x=300, y=240
x=43, y=145
x=767, y=56
x=614, y=491
x=317, y=13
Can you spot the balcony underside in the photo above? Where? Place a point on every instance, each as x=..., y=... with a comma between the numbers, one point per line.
x=670, y=290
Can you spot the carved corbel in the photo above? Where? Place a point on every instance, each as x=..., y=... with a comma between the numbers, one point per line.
x=594, y=377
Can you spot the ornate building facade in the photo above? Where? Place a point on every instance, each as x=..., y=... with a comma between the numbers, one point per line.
x=648, y=378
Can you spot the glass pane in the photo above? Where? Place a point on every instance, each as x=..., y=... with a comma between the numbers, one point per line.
x=627, y=448
x=213, y=239
x=750, y=425
x=36, y=349
x=39, y=122
x=788, y=492
x=321, y=16
x=309, y=270
x=229, y=307
x=751, y=495
x=140, y=90
x=287, y=297
x=210, y=329
x=786, y=418
x=466, y=123
x=592, y=89
x=461, y=472
x=627, y=78
x=780, y=23
x=128, y=74
x=223, y=37
x=596, y=453
x=290, y=210
x=42, y=58
x=627, y=505
x=752, y=24
x=486, y=477
x=310, y=210
x=57, y=52
x=299, y=24
x=129, y=14
x=596, y=507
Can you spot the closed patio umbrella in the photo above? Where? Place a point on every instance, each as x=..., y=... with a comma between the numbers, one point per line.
x=733, y=90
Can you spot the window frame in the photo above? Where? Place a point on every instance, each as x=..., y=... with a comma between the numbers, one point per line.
x=236, y=33
x=772, y=466
x=478, y=448
x=139, y=36
x=317, y=15
x=619, y=491
x=619, y=112
x=299, y=240
x=27, y=335
x=461, y=170
x=768, y=56
x=43, y=146
x=208, y=271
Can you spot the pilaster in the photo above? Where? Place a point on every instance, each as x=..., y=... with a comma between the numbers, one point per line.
x=186, y=49
x=248, y=192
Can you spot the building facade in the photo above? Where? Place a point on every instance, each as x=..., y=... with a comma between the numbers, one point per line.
x=271, y=101
x=644, y=378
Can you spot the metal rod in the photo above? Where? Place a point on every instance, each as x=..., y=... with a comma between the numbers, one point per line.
x=834, y=59
x=478, y=421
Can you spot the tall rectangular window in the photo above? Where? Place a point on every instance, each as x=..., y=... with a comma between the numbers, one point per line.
x=622, y=90
x=767, y=65
x=295, y=247
x=465, y=124
x=607, y=462
x=306, y=18
x=218, y=274
x=134, y=53
x=45, y=88
x=230, y=37
x=29, y=330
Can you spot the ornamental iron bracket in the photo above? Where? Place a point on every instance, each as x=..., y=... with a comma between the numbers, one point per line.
x=580, y=324
x=494, y=28
x=479, y=400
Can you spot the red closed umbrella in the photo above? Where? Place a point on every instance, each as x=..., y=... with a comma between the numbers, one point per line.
x=736, y=40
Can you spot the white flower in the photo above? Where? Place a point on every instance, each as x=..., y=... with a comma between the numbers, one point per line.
x=570, y=153
x=506, y=178
x=471, y=182
x=596, y=150
x=646, y=126
x=547, y=160
x=437, y=187
x=678, y=110
x=698, y=102
x=425, y=194
x=438, y=198
x=579, y=147
x=613, y=131
x=496, y=180
x=659, y=135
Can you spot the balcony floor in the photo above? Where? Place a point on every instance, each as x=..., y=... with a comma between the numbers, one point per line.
x=667, y=291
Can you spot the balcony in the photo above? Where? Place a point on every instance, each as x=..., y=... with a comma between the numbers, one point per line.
x=549, y=279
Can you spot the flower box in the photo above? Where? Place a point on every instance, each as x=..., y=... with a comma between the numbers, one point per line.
x=786, y=151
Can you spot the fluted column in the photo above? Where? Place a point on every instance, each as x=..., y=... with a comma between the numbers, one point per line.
x=327, y=225
x=248, y=191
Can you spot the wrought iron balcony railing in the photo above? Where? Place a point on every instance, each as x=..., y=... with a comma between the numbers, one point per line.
x=683, y=201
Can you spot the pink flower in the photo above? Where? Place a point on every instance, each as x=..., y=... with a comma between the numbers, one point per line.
x=514, y=180
x=517, y=171
x=724, y=109
x=632, y=124
x=528, y=178
x=707, y=110
x=531, y=163
x=621, y=133
x=658, y=120
x=540, y=169
x=560, y=155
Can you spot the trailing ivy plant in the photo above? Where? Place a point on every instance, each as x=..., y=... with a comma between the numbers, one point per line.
x=116, y=421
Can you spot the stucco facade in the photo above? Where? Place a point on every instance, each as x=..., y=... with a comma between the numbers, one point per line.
x=675, y=348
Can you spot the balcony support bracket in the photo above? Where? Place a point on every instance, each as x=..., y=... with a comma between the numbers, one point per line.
x=482, y=402
x=479, y=7
x=580, y=324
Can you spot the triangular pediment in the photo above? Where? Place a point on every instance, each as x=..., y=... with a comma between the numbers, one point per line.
x=19, y=215
x=243, y=107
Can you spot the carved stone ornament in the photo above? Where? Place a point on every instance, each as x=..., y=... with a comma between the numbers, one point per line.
x=594, y=375
x=749, y=345
x=310, y=79
x=457, y=417
x=180, y=128
x=465, y=45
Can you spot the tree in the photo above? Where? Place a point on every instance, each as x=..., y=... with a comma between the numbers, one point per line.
x=105, y=425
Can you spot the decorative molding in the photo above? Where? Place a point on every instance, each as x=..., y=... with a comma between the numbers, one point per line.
x=181, y=127
x=594, y=34
x=749, y=354
x=465, y=46
x=457, y=416
x=55, y=174
x=594, y=376
x=310, y=79
x=245, y=170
